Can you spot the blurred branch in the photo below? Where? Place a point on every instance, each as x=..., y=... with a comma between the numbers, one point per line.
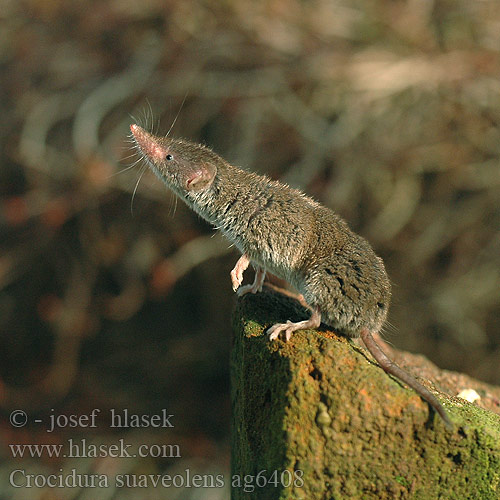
x=113, y=91
x=187, y=257
x=70, y=320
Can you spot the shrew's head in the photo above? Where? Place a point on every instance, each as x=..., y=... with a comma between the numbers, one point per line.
x=184, y=166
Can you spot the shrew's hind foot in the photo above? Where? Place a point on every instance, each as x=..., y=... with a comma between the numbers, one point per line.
x=256, y=286
x=238, y=270
x=289, y=327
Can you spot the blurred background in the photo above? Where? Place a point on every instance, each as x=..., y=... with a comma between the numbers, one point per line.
x=113, y=295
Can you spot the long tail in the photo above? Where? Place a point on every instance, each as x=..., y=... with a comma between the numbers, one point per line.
x=392, y=368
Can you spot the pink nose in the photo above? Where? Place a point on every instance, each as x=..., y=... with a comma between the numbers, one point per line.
x=148, y=144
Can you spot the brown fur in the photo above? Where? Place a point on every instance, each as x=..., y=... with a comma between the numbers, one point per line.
x=283, y=231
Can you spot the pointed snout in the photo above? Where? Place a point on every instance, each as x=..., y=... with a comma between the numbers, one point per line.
x=148, y=144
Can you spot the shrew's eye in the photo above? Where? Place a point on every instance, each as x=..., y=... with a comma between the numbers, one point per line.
x=169, y=157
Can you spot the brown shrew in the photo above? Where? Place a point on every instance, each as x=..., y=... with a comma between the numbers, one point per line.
x=280, y=230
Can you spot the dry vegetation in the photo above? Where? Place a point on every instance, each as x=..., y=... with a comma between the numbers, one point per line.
x=387, y=111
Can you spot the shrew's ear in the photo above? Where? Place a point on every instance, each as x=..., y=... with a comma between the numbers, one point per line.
x=201, y=177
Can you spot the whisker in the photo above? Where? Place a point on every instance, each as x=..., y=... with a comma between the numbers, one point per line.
x=157, y=126
x=177, y=115
x=143, y=119
x=125, y=169
x=149, y=116
x=135, y=189
x=134, y=119
x=175, y=205
x=129, y=156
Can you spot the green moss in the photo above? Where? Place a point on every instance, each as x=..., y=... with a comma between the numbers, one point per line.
x=319, y=406
x=402, y=481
